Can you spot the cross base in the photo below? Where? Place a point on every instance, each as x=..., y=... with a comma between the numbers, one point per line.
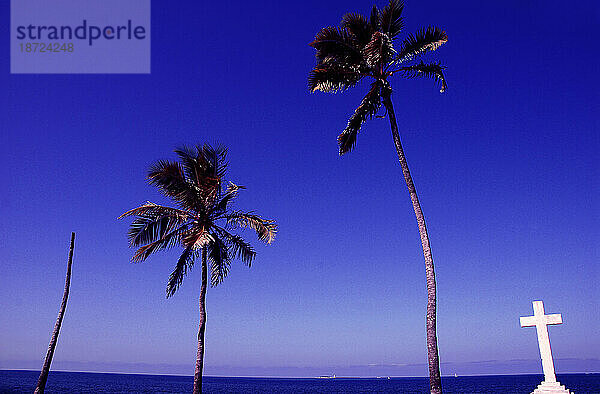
x=551, y=388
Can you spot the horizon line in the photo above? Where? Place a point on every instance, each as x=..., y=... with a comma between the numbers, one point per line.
x=295, y=377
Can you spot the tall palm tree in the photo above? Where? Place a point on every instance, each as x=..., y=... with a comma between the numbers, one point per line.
x=362, y=48
x=202, y=224
x=41, y=383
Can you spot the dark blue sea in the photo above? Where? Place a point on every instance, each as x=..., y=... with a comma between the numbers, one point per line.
x=84, y=382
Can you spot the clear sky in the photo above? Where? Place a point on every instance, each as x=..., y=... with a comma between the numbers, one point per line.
x=505, y=164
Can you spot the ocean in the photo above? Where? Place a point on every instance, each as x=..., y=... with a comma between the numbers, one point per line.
x=85, y=382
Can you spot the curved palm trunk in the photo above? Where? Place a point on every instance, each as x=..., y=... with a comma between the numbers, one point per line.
x=41, y=384
x=201, y=328
x=435, y=380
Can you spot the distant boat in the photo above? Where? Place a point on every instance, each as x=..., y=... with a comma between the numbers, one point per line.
x=456, y=376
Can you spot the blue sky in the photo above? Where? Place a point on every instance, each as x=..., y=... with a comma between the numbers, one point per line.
x=505, y=164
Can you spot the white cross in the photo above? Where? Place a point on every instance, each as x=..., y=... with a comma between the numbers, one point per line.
x=541, y=321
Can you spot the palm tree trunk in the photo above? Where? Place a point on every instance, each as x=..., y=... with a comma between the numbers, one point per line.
x=435, y=381
x=201, y=328
x=41, y=384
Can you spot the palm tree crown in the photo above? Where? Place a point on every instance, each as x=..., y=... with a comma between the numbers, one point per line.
x=203, y=218
x=364, y=47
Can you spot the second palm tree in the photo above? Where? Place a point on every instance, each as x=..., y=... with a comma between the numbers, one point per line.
x=201, y=223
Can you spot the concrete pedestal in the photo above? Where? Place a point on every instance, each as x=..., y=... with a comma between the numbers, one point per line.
x=551, y=388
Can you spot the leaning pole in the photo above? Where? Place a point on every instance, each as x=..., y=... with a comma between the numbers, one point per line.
x=41, y=384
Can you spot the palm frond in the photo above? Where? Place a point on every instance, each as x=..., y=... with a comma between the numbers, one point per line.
x=239, y=247
x=150, y=208
x=379, y=51
x=204, y=167
x=391, y=18
x=197, y=237
x=169, y=240
x=358, y=26
x=331, y=78
x=375, y=20
x=223, y=203
x=424, y=40
x=170, y=178
x=216, y=159
x=427, y=70
x=337, y=44
x=265, y=228
x=189, y=162
x=220, y=261
x=185, y=262
x=147, y=228
x=368, y=107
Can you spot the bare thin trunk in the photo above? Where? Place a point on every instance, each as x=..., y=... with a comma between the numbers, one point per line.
x=435, y=381
x=41, y=384
x=201, y=328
